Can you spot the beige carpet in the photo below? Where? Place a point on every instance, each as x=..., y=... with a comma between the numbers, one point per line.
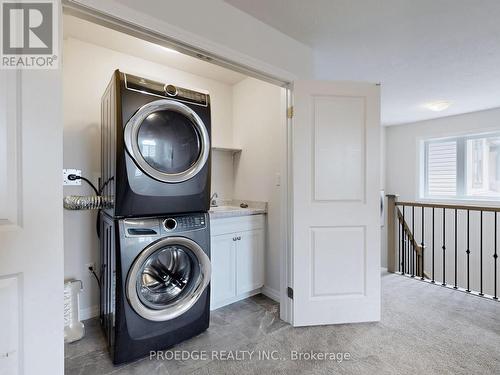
x=425, y=329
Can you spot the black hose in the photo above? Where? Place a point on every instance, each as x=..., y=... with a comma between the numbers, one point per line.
x=73, y=177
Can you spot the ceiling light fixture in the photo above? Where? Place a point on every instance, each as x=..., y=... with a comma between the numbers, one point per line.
x=438, y=105
x=168, y=49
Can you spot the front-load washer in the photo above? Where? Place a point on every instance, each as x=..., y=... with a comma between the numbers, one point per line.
x=155, y=282
x=155, y=146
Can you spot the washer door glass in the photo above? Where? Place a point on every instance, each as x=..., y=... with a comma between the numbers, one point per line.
x=169, y=142
x=166, y=276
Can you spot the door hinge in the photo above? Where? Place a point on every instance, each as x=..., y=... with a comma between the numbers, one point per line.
x=289, y=292
x=289, y=112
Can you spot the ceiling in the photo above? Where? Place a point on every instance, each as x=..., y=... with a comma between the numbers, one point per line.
x=102, y=36
x=420, y=50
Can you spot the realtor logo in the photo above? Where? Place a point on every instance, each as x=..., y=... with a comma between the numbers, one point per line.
x=29, y=39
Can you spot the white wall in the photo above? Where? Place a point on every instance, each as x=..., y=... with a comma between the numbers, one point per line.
x=383, y=235
x=402, y=146
x=402, y=176
x=87, y=70
x=259, y=129
x=222, y=174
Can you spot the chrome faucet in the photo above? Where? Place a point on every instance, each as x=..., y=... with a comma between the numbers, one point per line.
x=213, y=202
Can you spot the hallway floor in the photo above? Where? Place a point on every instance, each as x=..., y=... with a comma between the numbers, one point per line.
x=424, y=329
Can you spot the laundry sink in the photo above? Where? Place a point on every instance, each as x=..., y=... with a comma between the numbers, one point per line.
x=225, y=208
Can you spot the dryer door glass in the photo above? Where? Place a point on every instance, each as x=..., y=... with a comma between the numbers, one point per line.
x=169, y=142
x=166, y=276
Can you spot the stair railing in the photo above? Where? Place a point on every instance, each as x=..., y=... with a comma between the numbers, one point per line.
x=465, y=236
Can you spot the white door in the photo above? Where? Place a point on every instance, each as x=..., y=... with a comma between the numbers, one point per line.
x=31, y=234
x=336, y=211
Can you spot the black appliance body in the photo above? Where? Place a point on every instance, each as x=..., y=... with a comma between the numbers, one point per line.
x=155, y=145
x=155, y=284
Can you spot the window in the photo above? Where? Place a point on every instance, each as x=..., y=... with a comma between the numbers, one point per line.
x=465, y=167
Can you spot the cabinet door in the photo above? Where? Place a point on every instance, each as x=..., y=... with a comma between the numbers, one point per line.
x=250, y=260
x=223, y=282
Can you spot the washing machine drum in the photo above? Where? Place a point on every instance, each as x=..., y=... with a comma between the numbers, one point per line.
x=167, y=140
x=167, y=278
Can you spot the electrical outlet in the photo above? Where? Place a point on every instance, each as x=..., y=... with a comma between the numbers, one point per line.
x=90, y=267
x=67, y=172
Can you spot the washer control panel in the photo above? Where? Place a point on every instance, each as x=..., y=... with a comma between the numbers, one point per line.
x=184, y=223
x=157, y=227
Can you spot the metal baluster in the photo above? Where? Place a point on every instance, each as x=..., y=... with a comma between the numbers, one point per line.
x=404, y=249
x=444, y=247
x=468, y=253
x=433, y=279
x=407, y=270
x=399, y=246
x=422, y=244
x=456, y=264
x=407, y=254
x=413, y=241
x=481, y=257
x=404, y=243
x=495, y=257
x=405, y=265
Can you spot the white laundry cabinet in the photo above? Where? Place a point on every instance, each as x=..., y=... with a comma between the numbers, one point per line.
x=237, y=256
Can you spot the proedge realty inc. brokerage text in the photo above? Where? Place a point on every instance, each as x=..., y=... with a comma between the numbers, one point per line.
x=248, y=355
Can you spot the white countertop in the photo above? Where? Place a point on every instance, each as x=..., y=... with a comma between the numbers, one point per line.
x=233, y=209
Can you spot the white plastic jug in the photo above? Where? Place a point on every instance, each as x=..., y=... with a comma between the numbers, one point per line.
x=73, y=327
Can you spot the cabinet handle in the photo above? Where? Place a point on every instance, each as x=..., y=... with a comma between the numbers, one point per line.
x=235, y=238
x=239, y=238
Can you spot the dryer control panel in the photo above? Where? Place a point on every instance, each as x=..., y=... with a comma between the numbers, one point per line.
x=165, y=90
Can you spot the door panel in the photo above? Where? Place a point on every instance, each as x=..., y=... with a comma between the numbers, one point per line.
x=10, y=324
x=336, y=227
x=31, y=226
x=223, y=258
x=250, y=261
x=10, y=142
x=339, y=152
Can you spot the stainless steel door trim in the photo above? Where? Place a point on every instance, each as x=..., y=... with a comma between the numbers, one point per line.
x=180, y=306
x=131, y=135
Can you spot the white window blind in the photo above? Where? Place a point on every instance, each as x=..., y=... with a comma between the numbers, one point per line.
x=441, y=165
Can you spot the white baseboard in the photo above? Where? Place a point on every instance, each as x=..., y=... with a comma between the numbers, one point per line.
x=239, y=297
x=89, y=312
x=271, y=293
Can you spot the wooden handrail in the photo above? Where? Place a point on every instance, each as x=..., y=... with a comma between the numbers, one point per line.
x=448, y=206
x=418, y=247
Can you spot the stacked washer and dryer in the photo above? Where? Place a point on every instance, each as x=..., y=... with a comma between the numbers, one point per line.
x=155, y=241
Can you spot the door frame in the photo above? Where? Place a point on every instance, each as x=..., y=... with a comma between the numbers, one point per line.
x=242, y=64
